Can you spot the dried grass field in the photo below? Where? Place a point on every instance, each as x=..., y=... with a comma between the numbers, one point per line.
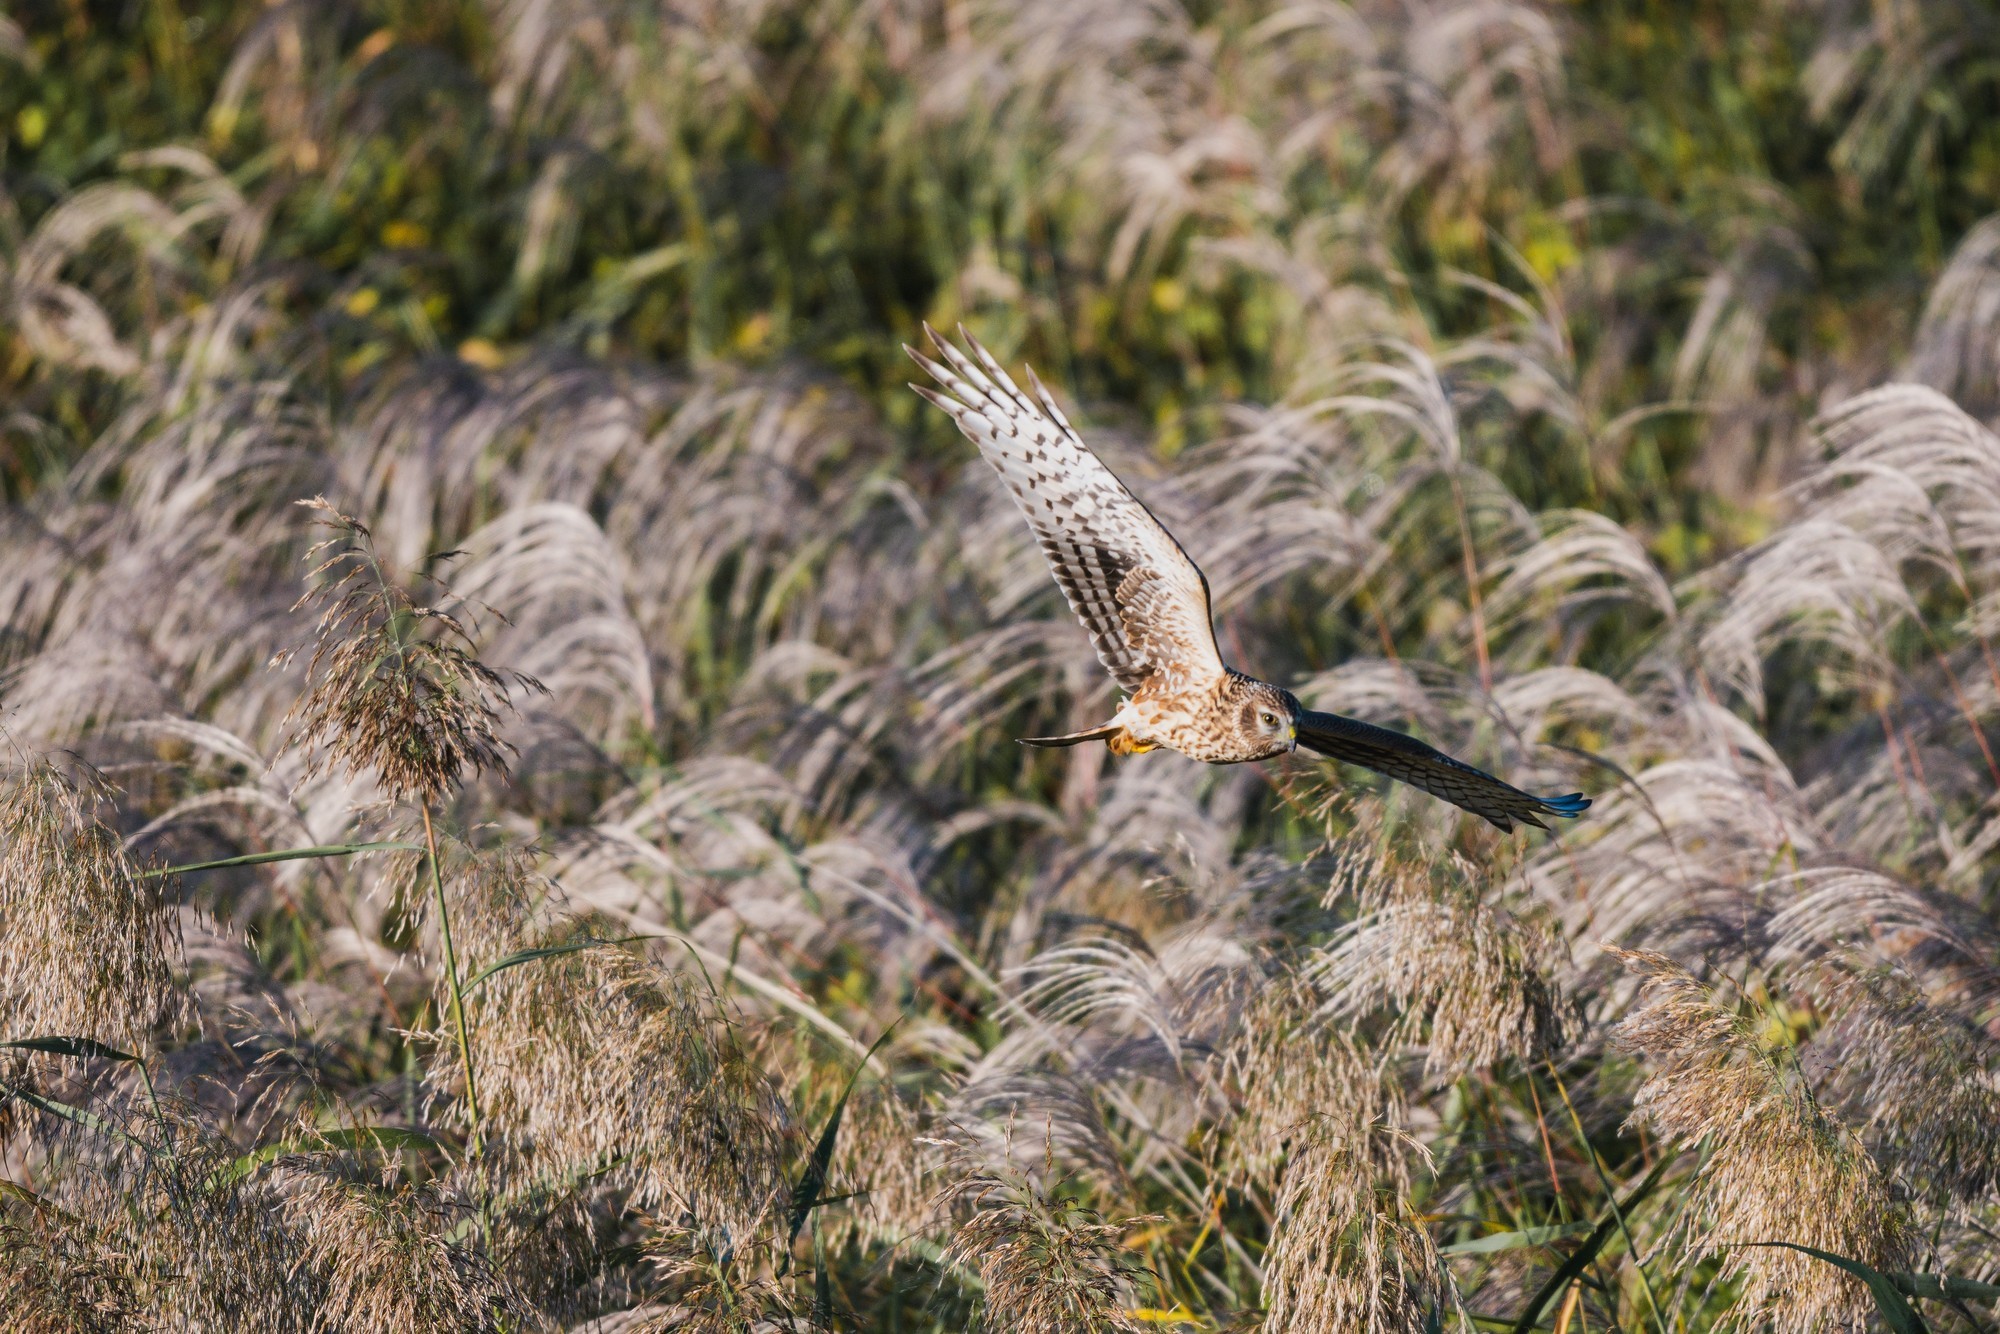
x=575, y=870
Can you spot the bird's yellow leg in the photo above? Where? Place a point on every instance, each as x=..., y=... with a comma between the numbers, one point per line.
x=1124, y=744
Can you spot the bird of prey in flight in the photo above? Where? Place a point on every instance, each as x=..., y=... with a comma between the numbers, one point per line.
x=1145, y=605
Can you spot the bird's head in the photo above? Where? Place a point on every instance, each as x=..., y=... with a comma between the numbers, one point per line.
x=1271, y=716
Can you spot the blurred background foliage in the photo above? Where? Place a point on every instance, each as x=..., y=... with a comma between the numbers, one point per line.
x=1734, y=203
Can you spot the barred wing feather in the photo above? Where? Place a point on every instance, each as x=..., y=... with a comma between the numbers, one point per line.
x=1408, y=760
x=1143, y=602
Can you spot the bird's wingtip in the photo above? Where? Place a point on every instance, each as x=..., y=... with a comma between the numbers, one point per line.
x=1568, y=807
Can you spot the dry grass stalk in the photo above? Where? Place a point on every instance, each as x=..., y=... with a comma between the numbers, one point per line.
x=398, y=693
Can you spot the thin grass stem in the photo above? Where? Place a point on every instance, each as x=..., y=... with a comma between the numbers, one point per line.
x=451, y=977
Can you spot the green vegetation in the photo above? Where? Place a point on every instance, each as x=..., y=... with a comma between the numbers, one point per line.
x=612, y=898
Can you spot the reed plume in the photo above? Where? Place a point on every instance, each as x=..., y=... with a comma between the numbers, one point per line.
x=1349, y=1251
x=1049, y=1262
x=92, y=945
x=398, y=694
x=1777, y=1166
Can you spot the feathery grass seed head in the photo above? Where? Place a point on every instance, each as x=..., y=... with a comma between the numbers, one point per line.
x=1465, y=978
x=91, y=949
x=396, y=689
x=383, y=1251
x=1348, y=1251
x=1050, y=1262
x=1778, y=1167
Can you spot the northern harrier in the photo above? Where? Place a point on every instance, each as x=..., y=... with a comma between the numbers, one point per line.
x=1145, y=605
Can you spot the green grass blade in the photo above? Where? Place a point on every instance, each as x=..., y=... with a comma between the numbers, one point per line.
x=285, y=855
x=1508, y=1241
x=75, y=1115
x=806, y=1196
x=1897, y=1313
x=14, y=1190
x=1943, y=1287
x=519, y=957
x=822, y=1287
x=81, y=1048
x=1606, y=1228
x=386, y=1138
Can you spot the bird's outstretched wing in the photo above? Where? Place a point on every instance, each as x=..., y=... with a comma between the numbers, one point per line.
x=1143, y=602
x=1408, y=760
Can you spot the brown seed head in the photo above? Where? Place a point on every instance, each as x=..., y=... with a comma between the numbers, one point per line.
x=396, y=690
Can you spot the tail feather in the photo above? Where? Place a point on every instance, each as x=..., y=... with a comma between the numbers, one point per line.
x=1104, y=733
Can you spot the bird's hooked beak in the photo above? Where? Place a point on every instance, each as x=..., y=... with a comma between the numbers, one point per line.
x=1292, y=735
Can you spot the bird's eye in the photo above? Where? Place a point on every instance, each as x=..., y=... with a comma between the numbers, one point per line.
x=1269, y=719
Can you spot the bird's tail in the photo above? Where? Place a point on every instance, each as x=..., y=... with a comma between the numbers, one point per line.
x=1104, y=733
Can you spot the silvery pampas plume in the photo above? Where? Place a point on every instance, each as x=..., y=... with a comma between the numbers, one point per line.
x=152, y=1222
x=1777, y=1166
